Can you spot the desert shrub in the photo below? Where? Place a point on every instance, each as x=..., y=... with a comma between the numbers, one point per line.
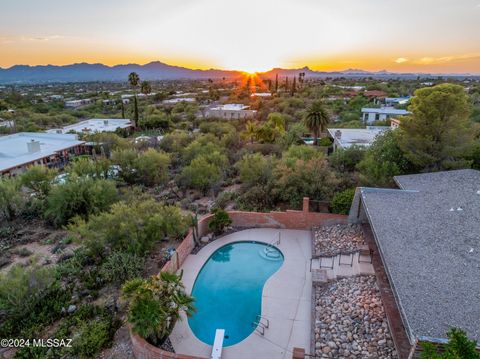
x=346, y=160
x=79, y=197
x=11, y=199
x=29, y=300
x=120, y=267
x=220, y=221
x=342, y=201
x=458, y=347
x=325, y=141
x=131, y=227
x=38, y=179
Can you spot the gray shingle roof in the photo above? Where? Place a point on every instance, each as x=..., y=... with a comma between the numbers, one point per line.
x=428, y=233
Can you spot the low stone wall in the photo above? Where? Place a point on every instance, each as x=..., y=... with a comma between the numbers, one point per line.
x=144, y=350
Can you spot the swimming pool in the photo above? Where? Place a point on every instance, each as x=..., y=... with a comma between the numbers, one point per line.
x=228, y=290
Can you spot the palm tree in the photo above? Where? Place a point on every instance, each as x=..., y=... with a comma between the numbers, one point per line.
x=134, y=80
x=316, y=119
x=155, y=305
x=250, y=131
x=145, y=87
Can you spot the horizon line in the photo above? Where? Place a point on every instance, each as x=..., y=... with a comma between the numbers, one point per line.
x=243, y=71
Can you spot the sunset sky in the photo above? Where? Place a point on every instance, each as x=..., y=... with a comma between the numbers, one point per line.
x=251, y=35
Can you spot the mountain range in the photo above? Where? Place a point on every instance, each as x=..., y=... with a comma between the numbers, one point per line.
x=84, y=72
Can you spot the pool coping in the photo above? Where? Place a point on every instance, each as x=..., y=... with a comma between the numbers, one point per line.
x=286, y=298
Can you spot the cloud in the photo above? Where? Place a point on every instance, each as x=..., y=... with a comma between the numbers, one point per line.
x=446, y=59
x=41, y=38
x=401, y=60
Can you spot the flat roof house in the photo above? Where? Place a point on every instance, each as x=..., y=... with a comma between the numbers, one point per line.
x=230, y=112
x=392, y=101
x=370, y=115
x=94, y=125
x=348, y=137
x=427, y=235
x=78, y=103
x=24, y=149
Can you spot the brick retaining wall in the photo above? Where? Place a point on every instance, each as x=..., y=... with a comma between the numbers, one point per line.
x=144, y=350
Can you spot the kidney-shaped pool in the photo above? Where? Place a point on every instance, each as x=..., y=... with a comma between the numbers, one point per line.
x=228, y=290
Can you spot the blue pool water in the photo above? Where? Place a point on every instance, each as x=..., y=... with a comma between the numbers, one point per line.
x=228, y=290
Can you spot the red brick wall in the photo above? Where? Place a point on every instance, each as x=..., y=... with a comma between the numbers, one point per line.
x=143, y=350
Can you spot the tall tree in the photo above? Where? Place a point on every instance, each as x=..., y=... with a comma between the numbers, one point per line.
x=134, y=80
x=276, y=83
x=145, y=87
x=294, y=86
x=438, y=135
x=316, y=119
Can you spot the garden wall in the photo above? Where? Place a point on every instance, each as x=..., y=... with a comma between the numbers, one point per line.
x=143, y=350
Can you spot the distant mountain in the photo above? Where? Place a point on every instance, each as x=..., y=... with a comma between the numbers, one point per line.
x=83, y=72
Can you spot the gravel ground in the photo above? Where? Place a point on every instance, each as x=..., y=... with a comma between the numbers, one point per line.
x=330, y=241
x=350, y=321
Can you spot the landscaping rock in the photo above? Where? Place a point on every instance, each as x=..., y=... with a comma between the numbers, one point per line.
x=71, y=308
x=350, y=320
x=330, y=241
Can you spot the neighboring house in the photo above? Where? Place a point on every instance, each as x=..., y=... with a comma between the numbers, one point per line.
x=261, y=94
x=348, y=137
x=24, y=149
x=370, y=115
x=7, y=123
x=393, y=101
x=230, y=111
x=174, y=101
x=78, y=103
x=425, y=239
x=94, y=125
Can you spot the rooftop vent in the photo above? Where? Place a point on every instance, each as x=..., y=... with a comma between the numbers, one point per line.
x=338, y=134
x=33, y=146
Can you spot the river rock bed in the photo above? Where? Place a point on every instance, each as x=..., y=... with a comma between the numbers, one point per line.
x=330, y=241
x=350, y=321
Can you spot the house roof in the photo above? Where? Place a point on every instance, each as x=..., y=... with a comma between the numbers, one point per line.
x=14, y=149
x=375, y=93
x=428, y=235
x=356, y=136
x=385, y=110
x=94, y=125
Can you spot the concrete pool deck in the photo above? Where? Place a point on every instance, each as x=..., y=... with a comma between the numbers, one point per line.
x=286, y=299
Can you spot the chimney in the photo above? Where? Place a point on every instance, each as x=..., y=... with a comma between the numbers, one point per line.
x=338, y=134
x=105, y=122
x=33, y=146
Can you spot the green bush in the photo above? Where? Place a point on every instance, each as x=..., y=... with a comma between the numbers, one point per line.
x=120, y=267
x=131, y=227
x=342, y=201
x=11, y=199
x=79, y=197
x=458, y=347
x=29, y=300
x=220, y=221
x=325, y=141
x=155, y=304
